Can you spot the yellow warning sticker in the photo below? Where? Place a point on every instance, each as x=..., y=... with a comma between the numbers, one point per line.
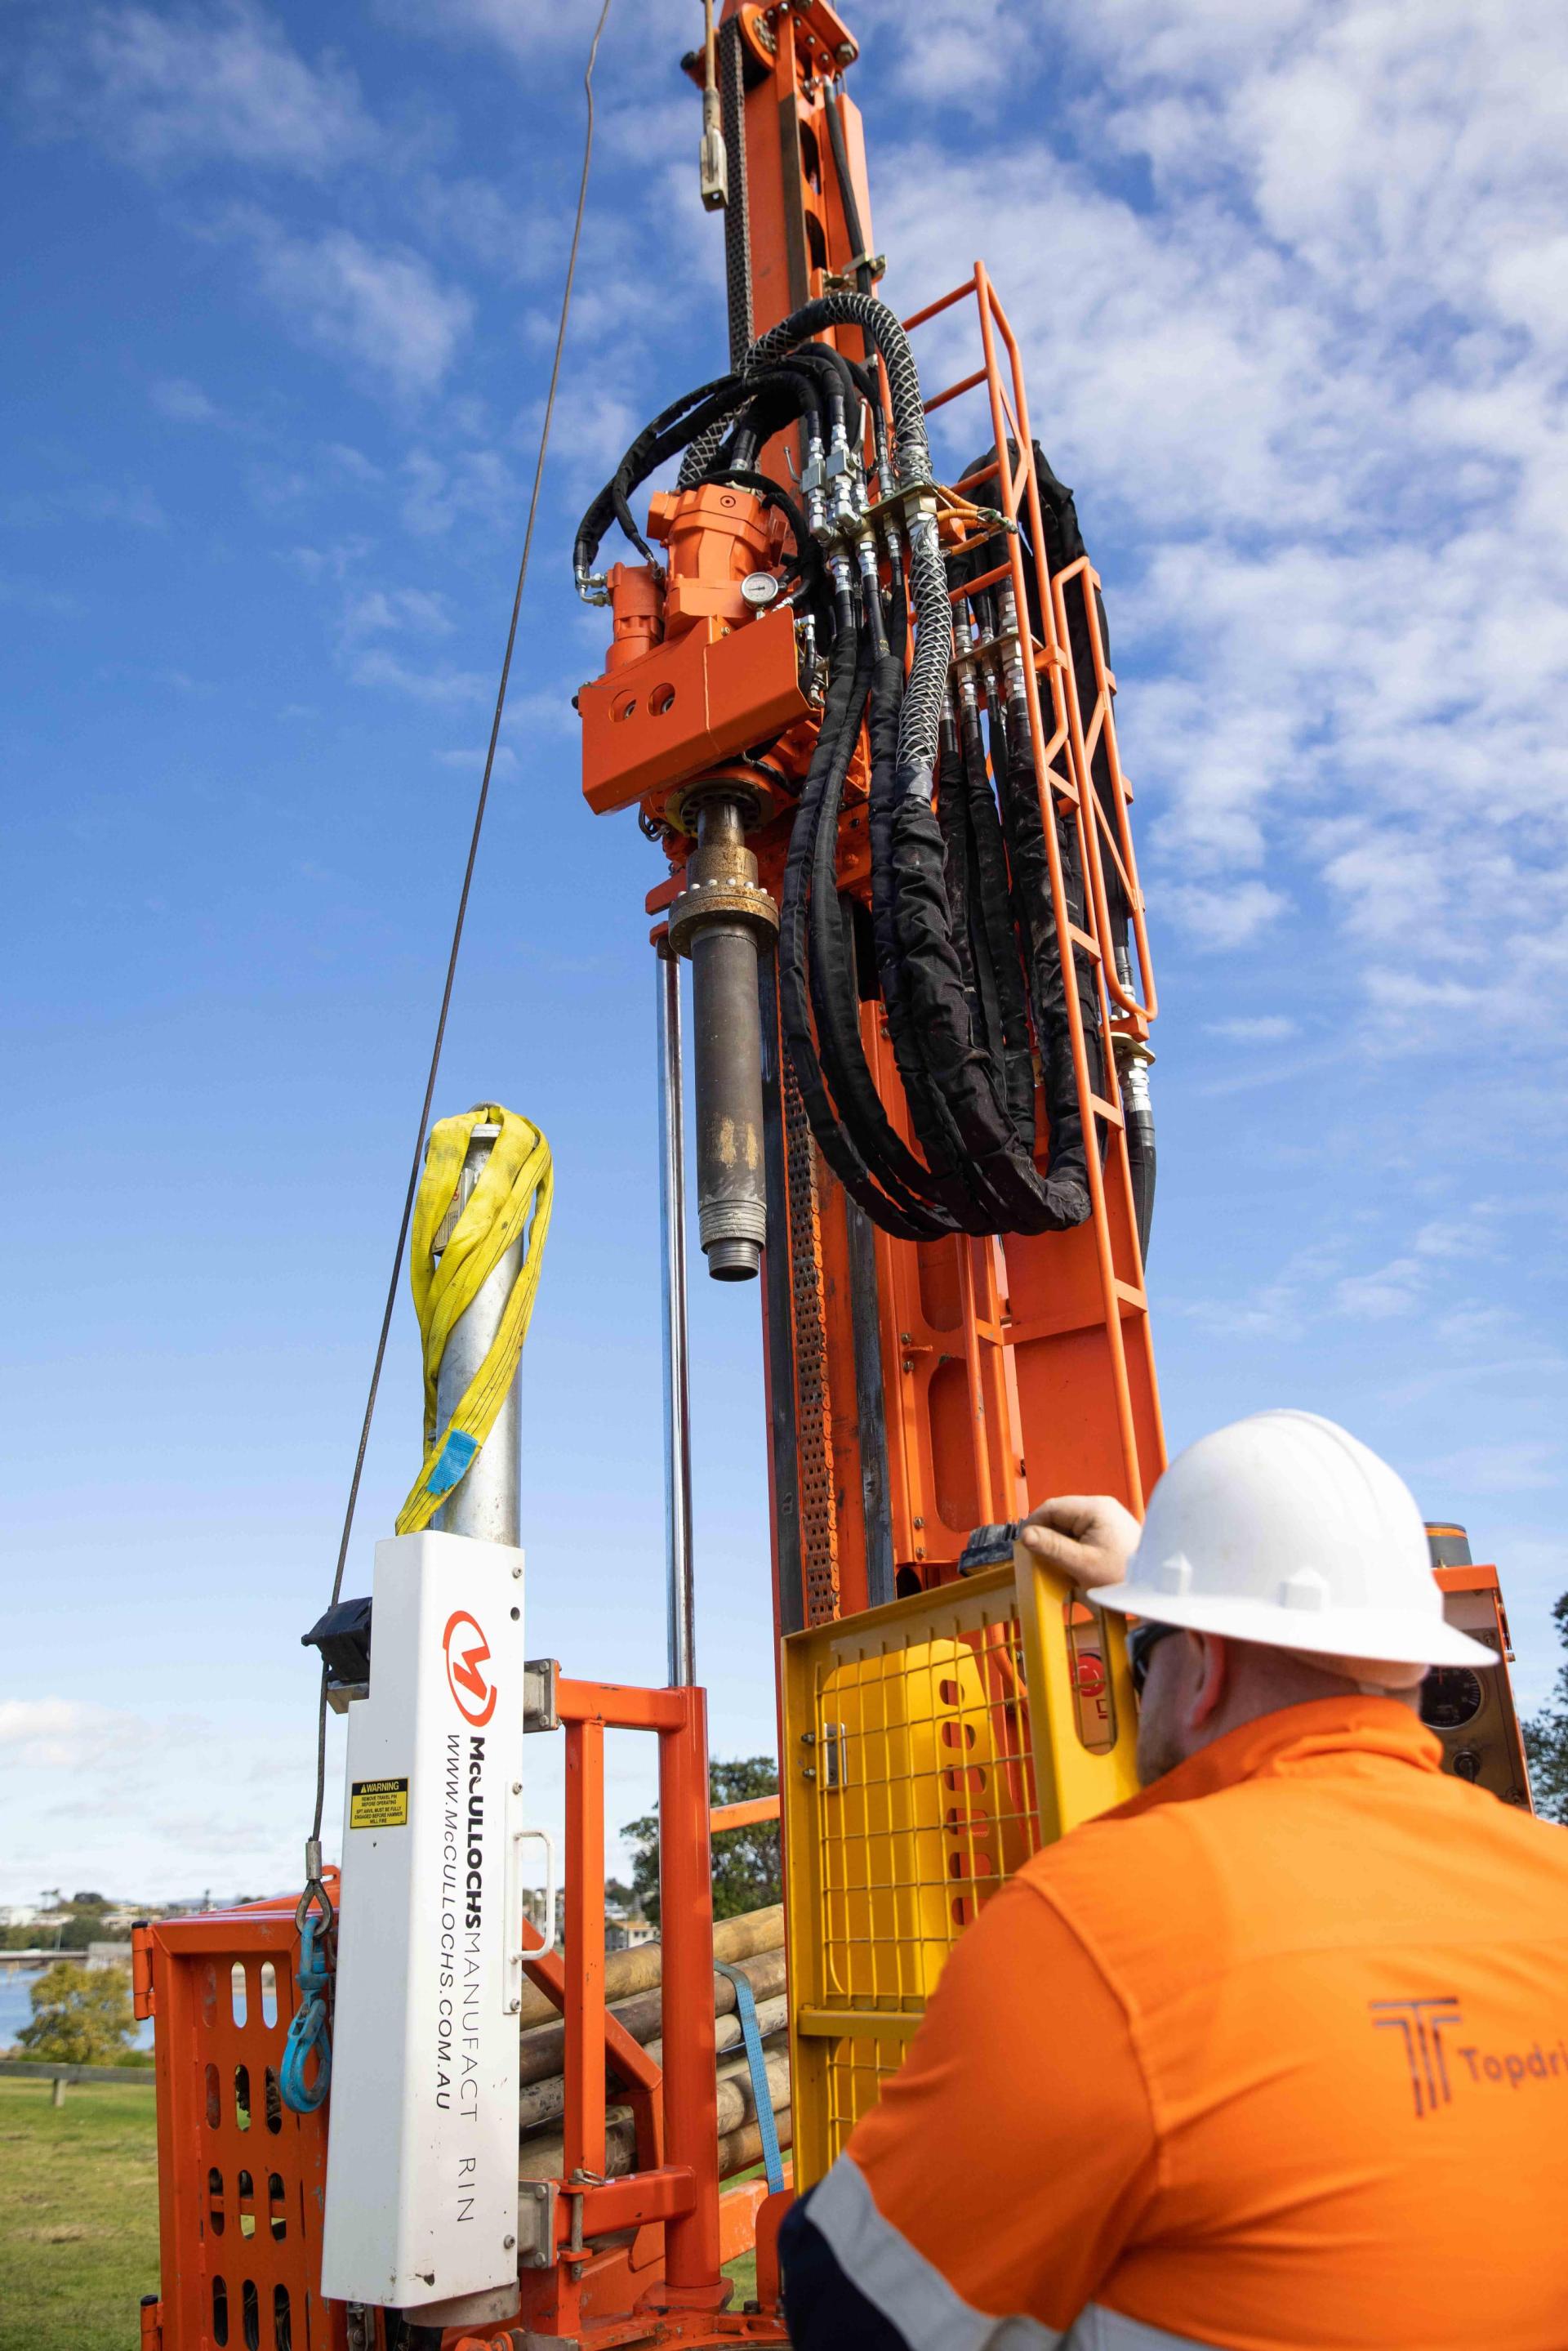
x=378, y=1804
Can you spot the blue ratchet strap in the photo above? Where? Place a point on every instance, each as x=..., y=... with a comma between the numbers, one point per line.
x=308, y=2031
x=762, y=2096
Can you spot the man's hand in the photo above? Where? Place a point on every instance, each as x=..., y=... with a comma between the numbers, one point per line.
x=1089, y=1537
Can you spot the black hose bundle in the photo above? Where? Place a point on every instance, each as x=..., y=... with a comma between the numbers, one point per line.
x=967, y=955
x=1064, y=547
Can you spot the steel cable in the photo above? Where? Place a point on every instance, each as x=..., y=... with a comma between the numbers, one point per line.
x=314, y=1886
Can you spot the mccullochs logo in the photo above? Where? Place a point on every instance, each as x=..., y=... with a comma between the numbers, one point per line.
x=467, y=1655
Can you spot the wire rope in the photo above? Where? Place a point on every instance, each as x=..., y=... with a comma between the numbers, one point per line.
x=314, y=1890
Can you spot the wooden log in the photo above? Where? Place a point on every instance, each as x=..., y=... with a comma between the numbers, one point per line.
x=638, y=1970
x=545, y=2102
x=738, y=2150
x=545, y=2159
x=543, y=2048
x=736, y=2105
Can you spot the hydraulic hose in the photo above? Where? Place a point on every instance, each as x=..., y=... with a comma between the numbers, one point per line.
x=646, y=452
x=737, y=225
x=1031, y=867
x=841, y=716
x=1138, y=1113
x=846, y=196
x=836, y=995
x=1000, y=975
x=970, y=965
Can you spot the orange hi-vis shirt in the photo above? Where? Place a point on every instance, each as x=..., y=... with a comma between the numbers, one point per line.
x=1274, y=2056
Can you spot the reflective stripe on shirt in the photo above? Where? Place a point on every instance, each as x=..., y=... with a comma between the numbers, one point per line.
x=918, y=2301
x=912, y=2294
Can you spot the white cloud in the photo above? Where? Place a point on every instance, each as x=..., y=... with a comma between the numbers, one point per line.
x=184, y=402
x=441, y=489
x=1509, y=1467
x=1222, y=915
x=381, y=668
x=947, y=53
x=1457, y=1237
x=353, y=464
x=1314, y=1287
x=421, y=611
x=472, y=762
x=334, y=562
x=28, y=596
x=129, y=503
x=1257, y=1028
x=1395, y=1288
x=55, y=1734
x=382, y=308
x=110, y=1788
x=1315, y=386
x=178, y=88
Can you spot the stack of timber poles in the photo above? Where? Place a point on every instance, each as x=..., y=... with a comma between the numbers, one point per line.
x=755, y=1943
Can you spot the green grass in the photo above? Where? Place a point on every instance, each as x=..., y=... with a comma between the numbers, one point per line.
x=78, y=2218
x=78, y=2215
x=743, y=2269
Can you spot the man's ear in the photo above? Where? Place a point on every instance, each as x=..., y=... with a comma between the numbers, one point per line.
x=1212, y=1678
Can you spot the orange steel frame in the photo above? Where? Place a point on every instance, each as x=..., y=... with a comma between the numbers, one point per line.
x=592, y=2296
x=242, y=2179
x=1011, y=1368
x=1056, y=1386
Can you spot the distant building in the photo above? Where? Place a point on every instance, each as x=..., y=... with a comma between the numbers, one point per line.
x=533, y=1911
x=626, y=1927
x=20, y=1914
x=108, y=1954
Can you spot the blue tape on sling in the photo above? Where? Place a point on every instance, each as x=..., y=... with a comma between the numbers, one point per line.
x=452, y=1461
x=762, y=2096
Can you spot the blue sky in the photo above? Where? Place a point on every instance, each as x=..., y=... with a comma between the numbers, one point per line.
x=1292, y=285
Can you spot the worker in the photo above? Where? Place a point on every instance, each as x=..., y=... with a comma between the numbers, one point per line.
x=1274, y=2055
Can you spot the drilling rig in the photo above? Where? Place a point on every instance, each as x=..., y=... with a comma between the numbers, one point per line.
x=858, y=692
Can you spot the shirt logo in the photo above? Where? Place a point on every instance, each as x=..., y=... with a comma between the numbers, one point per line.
x=467, y=1653
x=1421, y=2023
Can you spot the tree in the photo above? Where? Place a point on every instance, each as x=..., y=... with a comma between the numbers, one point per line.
x=747, y=1875
x=78, y=1930
x=1546, y=1737
x=81, y=2016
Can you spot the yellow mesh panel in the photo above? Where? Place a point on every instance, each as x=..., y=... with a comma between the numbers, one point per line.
x=911, y=1795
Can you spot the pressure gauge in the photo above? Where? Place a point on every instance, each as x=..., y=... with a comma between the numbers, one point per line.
x=1451, y=1696
x=760, y=589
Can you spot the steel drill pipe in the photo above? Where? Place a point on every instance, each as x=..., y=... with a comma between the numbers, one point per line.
x=732, y=1207
x=722, y=920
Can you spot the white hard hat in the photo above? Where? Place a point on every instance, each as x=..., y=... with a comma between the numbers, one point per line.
x=1284, y=1529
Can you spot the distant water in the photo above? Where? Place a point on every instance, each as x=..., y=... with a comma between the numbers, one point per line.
x=16, y=2003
